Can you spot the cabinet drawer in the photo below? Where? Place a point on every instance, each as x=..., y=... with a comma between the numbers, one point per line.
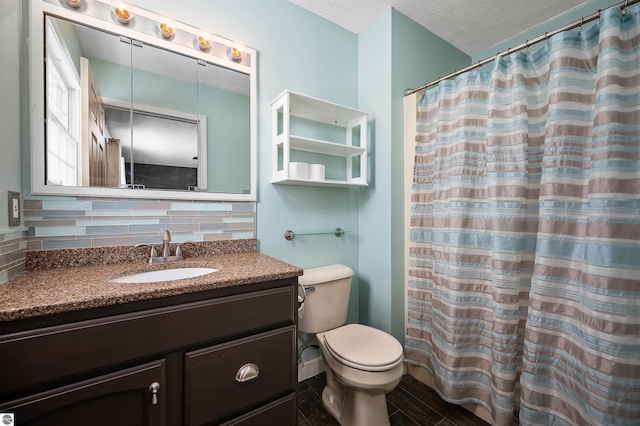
x=281, y=412
x=212, y=392
x=90, y=345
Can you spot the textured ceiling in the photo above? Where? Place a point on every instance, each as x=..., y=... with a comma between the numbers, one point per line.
x=472, y=26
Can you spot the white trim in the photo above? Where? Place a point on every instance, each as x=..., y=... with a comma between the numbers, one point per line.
x=310, y=368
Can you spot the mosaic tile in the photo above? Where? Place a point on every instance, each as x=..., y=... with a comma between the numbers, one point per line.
x=238, y=219
x=112, y=242
x=186, y=206
x=60, y=231
x=152, y=206
x=55, y=223
x=243, y=206
x=112, y=205
x=106, y=230
x=213, y=226
x=147, y=228
x=142, y=213
x=107, y=213
x=66, y=205
x=66, y=244
x=13, y=246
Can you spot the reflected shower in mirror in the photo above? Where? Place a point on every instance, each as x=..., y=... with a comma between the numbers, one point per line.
x=126, y=114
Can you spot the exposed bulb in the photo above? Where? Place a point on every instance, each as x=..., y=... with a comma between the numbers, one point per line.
x=74, y=3
x=123, y=10
x=205, y=39
x=237, y=50
x=167, y=26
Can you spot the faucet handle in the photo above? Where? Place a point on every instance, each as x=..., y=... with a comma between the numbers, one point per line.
x=153, y=253
x=166, y=236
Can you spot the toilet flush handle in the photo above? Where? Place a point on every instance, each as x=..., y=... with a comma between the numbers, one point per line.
x=304, y=289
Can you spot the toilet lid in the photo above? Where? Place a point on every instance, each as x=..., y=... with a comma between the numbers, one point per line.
x=363, y=347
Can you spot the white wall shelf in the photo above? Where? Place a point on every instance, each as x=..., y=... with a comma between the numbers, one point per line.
x=289, y=104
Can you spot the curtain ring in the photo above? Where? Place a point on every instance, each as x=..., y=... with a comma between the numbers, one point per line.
x=599, y=11
x=624, y=9
x=581, y=22
x=546, y=35
x=527, y=44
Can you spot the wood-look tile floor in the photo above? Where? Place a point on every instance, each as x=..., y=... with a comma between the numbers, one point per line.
x=411, y=403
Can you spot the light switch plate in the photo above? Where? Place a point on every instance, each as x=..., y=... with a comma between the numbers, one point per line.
x=14, y=208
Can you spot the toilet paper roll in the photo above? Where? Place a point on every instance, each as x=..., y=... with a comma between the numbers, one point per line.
x=316, y=171
x=299, y=170
x=301, y=296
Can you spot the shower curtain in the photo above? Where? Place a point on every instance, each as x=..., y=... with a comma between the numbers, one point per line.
x=524, y=276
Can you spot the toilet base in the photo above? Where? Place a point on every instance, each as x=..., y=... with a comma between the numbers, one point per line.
x=354, y=407
x=362, y=409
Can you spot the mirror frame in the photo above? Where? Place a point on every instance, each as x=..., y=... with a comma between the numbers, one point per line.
x=39, y=9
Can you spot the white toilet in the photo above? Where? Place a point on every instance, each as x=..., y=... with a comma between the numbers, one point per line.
x=362, y=363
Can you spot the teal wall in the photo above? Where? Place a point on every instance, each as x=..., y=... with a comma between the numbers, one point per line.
x=10, y=113
x=374, y=83
x=304, y=53
x=395, y=53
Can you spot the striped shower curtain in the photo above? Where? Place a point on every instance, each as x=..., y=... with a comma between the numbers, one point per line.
x=524, y=288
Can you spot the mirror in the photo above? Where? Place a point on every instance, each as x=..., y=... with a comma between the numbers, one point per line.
x=129, y=118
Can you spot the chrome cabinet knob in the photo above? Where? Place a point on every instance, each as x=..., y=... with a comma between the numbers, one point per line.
x=153, y=388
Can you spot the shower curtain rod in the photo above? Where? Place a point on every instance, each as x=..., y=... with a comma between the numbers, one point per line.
x=528, y=43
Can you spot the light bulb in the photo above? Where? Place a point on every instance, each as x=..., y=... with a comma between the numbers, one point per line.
x=205, y=39
x=167, y=26
x=237, y=50
x=123, y=10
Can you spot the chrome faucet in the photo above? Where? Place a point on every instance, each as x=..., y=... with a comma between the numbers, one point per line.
x=166, y=251
x=166, y=239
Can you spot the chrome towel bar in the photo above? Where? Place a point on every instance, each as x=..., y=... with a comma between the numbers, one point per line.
x=289, y=234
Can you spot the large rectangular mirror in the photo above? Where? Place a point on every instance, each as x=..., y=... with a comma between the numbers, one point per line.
x=127, y=115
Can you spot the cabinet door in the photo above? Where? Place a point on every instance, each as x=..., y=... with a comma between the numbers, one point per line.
x=123, y=398
x=215, y=387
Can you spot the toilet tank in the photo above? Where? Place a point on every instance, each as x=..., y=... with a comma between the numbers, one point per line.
x=326, y=297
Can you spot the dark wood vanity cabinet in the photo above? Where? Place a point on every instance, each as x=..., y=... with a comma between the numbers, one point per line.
x=223, y=359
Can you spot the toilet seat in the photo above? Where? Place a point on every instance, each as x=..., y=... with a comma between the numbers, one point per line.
x=363, y=347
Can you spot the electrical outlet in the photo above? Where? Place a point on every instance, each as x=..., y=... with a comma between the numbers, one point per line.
x=14, y=208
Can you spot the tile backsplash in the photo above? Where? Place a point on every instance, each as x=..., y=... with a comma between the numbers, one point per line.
x=73, y=222
x=13, y=245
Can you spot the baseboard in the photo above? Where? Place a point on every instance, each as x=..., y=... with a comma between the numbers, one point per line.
x=310, y=368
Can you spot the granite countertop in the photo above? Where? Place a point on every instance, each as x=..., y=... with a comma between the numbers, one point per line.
x=53, y=291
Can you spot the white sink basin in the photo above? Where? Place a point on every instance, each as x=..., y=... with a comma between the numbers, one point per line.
x=164, y=275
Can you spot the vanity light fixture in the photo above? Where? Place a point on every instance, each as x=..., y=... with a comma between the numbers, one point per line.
x=123, y=10
x=205, y=39
x=237, y=50
x=74, y=3
x=167, y=26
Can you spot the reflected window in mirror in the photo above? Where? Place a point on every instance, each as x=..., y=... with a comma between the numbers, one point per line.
x=63, y=107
